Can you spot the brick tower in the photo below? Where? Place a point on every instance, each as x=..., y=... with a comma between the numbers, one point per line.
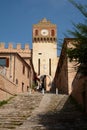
x=45, y=49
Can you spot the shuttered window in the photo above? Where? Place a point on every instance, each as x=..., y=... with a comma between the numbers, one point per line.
x=7, y=62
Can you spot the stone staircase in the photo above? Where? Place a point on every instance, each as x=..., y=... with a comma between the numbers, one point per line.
x=18, y=110
x=41, y=112
x=55, y=112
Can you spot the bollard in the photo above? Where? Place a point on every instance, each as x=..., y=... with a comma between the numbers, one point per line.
x=30, y=91
x=43, y=91
x=56, y=90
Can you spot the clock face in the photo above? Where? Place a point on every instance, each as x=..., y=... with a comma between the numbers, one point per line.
x=44, y=32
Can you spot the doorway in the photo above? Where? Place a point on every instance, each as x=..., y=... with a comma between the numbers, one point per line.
x=46, y=81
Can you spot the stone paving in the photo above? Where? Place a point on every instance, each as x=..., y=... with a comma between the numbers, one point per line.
x=42, y=112
x=18, y=110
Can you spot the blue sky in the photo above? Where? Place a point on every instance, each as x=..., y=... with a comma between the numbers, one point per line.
x=18, y=16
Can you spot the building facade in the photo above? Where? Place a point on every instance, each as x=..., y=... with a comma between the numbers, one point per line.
x=16, y=69
x=19, y=64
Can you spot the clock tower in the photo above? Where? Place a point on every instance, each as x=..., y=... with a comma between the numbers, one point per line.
x=45, y=50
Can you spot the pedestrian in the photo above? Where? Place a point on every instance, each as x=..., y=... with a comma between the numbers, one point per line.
x=43, y=83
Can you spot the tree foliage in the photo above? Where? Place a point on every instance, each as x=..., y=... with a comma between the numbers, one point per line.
x=79, y=52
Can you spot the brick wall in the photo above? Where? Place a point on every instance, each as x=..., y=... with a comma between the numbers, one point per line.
x=7, y=88
x=79, y=91
x=68, y=81
x=14, y=72
x=65, y=71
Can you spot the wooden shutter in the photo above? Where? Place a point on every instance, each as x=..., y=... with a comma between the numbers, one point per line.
x=7, y=62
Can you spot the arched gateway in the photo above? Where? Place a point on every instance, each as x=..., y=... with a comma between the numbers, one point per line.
x=47, y=82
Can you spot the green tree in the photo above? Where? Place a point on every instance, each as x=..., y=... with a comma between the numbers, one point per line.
x=79, y=52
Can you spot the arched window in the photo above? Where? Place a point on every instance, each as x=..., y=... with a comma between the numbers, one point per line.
x=55, y=39
x=38, y=39
x=45, y=39
x=36, y=32
x=35, y=40
x=51, y=39
x=52, y=32
x=41, y=39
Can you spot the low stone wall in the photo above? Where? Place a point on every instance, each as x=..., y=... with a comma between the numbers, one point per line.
x=7, y=88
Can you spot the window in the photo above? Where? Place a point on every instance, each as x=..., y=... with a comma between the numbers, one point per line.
x=35, y=40
x=39, y=53
x=52, y=32
x=36, y=32
x=4, y=61
x=7, y=62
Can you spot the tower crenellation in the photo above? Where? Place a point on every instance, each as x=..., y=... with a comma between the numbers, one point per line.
x=2, y=45
x=27, y=46
x=10, y=46
x=18, y=46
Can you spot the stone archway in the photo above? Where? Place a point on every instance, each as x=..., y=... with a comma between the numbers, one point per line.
x=47, y=82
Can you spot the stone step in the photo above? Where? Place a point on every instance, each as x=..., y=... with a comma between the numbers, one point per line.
x=41, y=112
x=18, y=110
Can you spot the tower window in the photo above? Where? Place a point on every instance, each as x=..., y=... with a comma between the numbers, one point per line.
x=38, y=39
x=54, y=39
x=41, y=39
x=45, y=39
x=35, y=40
x=36, y=32
x=52, y=32
x=51, y=39
x=40, y=53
